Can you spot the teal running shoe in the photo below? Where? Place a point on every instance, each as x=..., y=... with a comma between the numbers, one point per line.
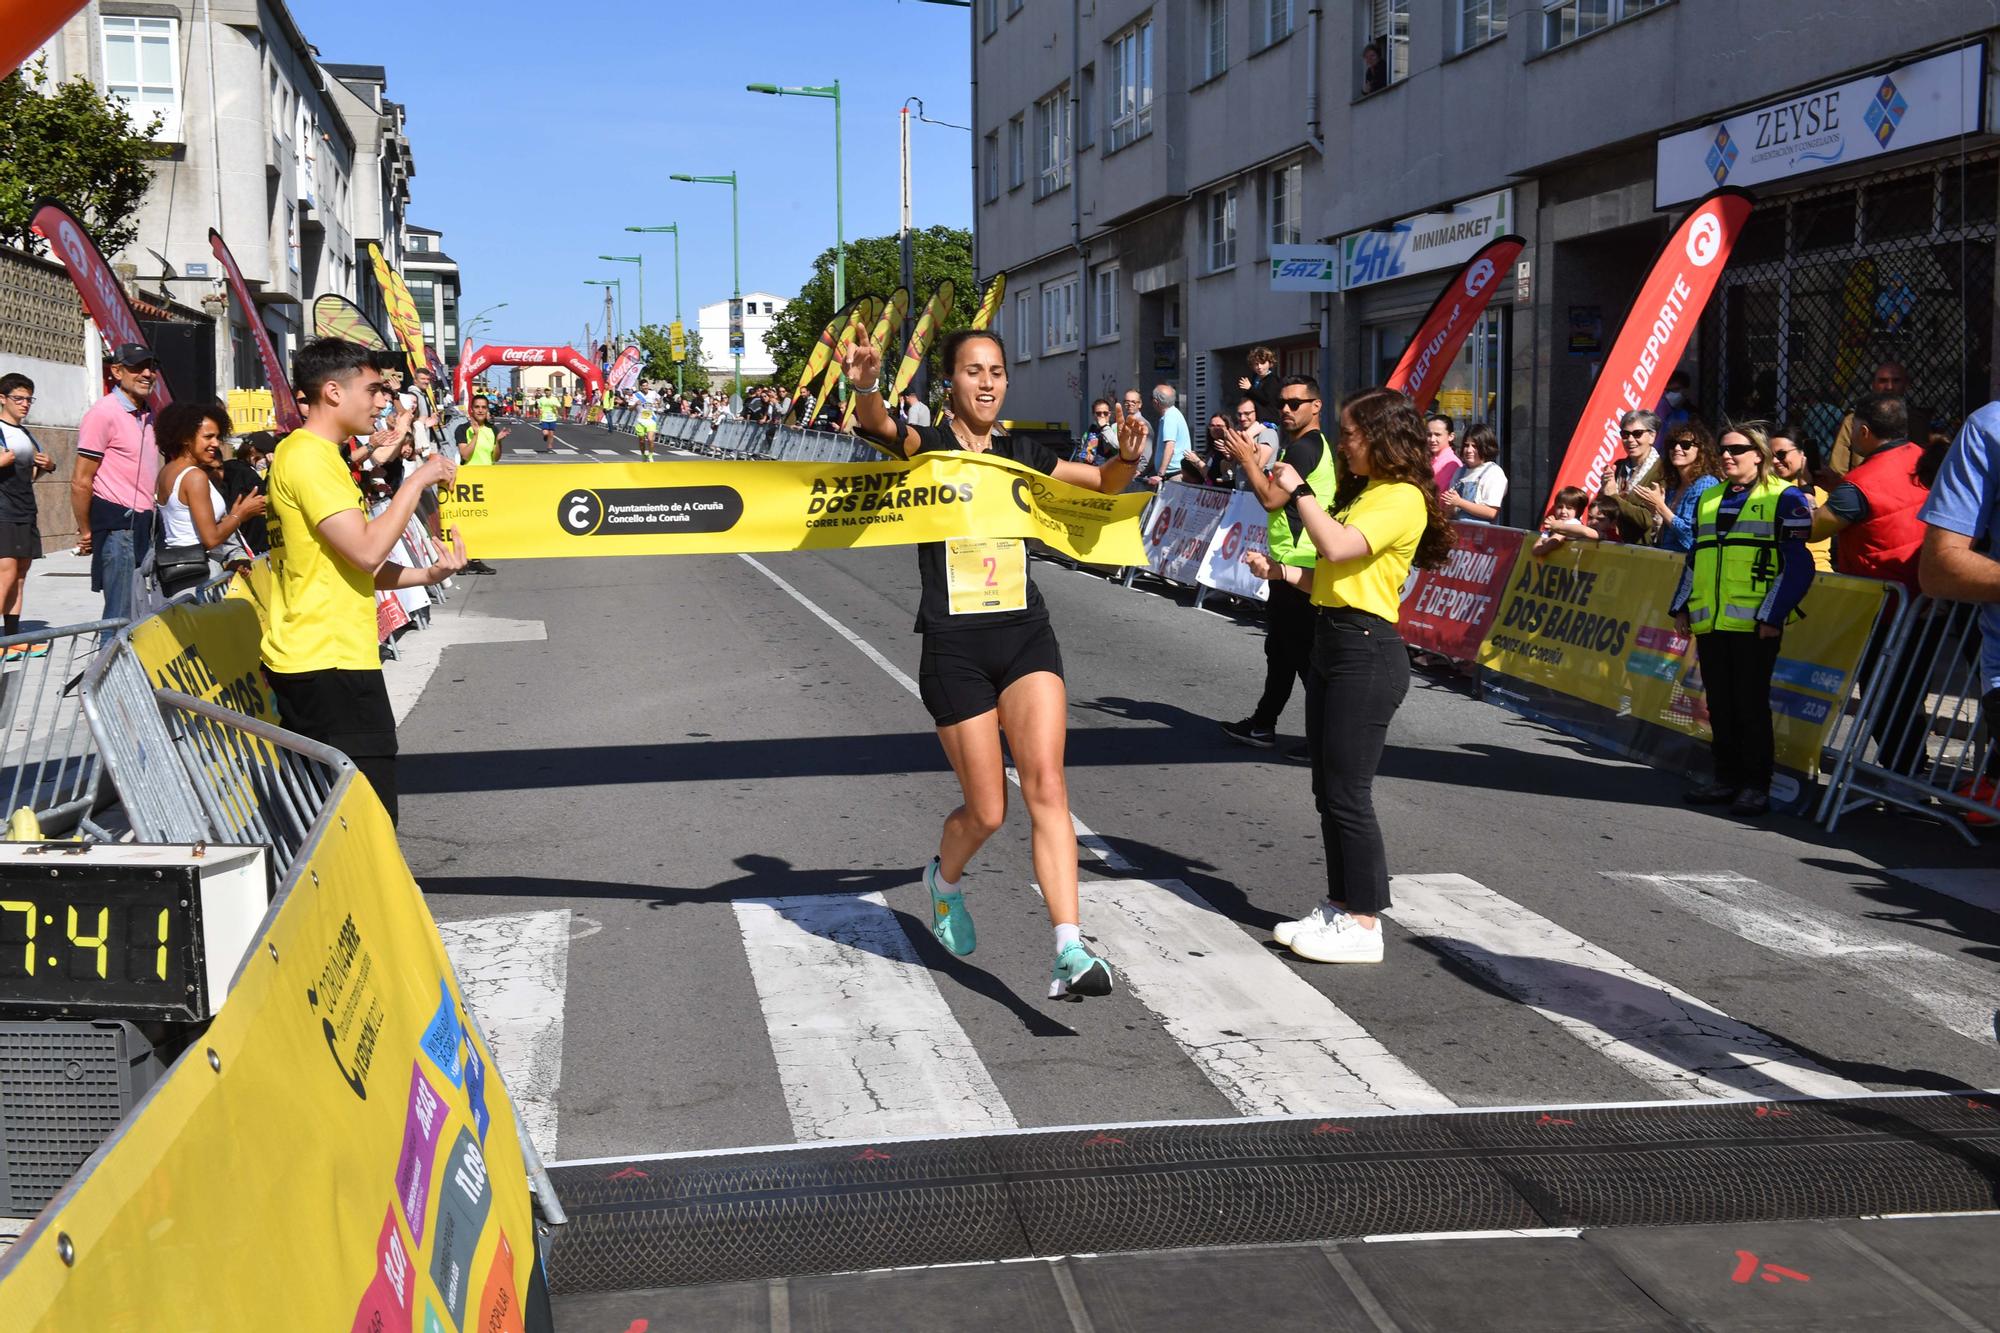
x=1078, y=972
x=950, y=921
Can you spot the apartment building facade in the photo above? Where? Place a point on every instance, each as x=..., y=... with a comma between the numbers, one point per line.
x=1135, y=162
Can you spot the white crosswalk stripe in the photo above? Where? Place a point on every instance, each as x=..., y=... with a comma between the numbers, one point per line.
x=1261, y=1033
x=1956, y=994
x=864, y=1043
x=1670, y=1039
x=513, y=971
x=1976, y=888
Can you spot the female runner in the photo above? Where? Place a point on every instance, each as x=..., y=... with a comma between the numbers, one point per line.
x=990, y=661
x=1382, y=517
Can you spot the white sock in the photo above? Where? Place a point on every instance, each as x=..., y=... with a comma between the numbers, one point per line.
x=947, y=885
x=1066, y=935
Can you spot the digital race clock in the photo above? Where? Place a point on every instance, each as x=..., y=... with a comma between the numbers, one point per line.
x=124, y=931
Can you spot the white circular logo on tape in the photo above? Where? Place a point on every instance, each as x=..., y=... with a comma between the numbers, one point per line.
x=1705, y=240
x=1478, y=276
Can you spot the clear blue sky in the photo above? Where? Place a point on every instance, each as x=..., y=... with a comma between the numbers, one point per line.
x=541, y=131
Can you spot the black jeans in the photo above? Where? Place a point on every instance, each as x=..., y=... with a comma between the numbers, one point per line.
x=1288, y=644
x=1736, y=672
x=1360, y=673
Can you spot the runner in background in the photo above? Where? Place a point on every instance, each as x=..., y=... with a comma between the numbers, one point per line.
x=549, y=410
x=645, y=423
x=990, y=663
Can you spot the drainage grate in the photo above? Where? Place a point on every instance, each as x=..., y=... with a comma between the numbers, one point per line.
x=681, y=1221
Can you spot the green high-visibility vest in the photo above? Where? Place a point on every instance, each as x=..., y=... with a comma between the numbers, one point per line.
x=1734, y=570
x=1285, y=532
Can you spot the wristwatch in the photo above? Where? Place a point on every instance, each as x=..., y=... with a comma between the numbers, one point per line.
x=1302, y=491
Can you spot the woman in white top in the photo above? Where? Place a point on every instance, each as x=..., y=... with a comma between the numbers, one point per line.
x=193, y=520
x=1480, y=487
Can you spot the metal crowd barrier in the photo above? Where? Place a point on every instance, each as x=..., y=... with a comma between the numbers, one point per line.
x=1924, y=736
x=256, y=783
x=47, y=755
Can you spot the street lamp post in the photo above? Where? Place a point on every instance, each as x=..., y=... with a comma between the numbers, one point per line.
x=832, y=91
x=617, y=284
x=735, y=264
x=674, y=227
x=640, y=261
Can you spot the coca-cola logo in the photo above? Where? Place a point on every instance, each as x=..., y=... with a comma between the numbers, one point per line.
x=527, y=356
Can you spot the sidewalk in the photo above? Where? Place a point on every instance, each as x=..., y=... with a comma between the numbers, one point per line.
x=59, y=593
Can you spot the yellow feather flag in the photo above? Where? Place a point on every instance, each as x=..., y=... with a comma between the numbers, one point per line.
x=892, y=317
x=920, y=338
x=408, y=331
x=860, y=316
x=822, y=351
x=989, y=305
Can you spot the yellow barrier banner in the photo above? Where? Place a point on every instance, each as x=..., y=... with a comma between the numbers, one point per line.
x=213, y=652
x=1582, y=638
x=722, y=508
x=335, y=1152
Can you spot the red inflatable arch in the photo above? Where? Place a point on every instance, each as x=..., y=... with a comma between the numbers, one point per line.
x=477, y=360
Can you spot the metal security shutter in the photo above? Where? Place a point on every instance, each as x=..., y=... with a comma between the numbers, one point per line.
x=1826, y=284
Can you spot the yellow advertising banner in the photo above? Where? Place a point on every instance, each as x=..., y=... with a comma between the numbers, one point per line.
x=1586, y=630
x=710, y=508
x=213, y=652
x=334, y=1153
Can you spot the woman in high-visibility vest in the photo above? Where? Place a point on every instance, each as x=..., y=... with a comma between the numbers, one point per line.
x=1745, y=577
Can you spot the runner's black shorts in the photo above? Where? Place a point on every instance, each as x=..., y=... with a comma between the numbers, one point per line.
x=963, y=672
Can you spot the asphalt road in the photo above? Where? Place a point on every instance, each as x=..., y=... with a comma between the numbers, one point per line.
x=682, y=799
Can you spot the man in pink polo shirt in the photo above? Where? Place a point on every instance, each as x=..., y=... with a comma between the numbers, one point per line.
x=111, y=492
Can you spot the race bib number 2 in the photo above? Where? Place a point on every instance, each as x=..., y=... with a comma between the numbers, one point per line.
x=986, y=576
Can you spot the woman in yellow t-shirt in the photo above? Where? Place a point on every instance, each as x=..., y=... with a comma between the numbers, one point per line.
x=1795, y=458
x=1383, y=517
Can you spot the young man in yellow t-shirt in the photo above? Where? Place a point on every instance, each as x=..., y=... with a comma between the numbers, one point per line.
x=328, y=557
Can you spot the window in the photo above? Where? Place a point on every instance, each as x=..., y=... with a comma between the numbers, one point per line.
x=989, y=16
x=292, y=235
x=1086, y=132
x=1480, y=21
x=1104, y=303
x=1221, y=229
x=1052, y=132
x=1388, y=45
x=140, y=66
x=1016, y=154
x=1277, y=15
x=1131, y=84
x=1214, y=37
x=1059, y=315
x=1566, y=20
x=1023, y=326
x=1284, y=211
x=989, y=166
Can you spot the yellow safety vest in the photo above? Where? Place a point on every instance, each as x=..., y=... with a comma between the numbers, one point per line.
x=1734, y=570
x=1287, y=549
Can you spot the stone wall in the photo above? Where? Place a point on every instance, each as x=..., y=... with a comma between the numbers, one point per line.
x=43, y=335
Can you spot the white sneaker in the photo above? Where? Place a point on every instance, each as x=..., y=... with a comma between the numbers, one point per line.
x=1340, y=940
x=1320, y=916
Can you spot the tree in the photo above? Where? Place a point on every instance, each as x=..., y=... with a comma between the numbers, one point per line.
x=875, y=268
x=656, y=345
x=67, y=142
